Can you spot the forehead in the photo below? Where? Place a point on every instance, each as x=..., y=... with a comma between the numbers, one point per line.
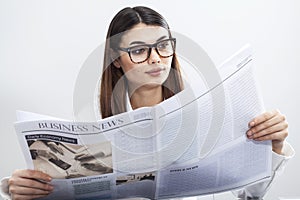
x=144, y=33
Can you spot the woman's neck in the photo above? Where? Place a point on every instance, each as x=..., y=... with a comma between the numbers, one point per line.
x=146, y=97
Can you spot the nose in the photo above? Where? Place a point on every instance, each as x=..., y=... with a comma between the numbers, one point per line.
x=154, y=56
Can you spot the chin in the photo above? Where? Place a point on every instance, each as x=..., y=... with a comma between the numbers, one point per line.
x=151, y=84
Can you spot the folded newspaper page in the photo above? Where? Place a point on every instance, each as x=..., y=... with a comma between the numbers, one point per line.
x=191, y=144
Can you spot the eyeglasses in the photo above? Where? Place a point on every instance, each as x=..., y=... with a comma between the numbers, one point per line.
x=141, y=53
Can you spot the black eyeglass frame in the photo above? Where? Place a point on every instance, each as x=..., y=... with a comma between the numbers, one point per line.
x=150, y=46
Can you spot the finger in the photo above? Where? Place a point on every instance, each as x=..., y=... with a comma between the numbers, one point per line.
x=280, y=136
x=22, y=190
x=26, y=197
x=28, y=183
x=268, y=131
x=262, y=126
x=263, y=117
x=32, y=174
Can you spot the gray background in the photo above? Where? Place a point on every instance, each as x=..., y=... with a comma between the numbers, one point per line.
x=44, y=43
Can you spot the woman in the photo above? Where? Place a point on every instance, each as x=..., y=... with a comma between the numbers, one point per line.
x=141, y=69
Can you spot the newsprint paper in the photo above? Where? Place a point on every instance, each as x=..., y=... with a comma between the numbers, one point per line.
x=191, y=144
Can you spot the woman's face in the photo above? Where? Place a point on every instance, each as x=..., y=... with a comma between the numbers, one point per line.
x=155, y=70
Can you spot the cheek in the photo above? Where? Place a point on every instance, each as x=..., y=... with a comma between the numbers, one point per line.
x=167, y=62
x=129, y=68
x=126, y=63
x=132, y=72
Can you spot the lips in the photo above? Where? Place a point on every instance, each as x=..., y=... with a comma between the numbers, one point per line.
x=155, y=71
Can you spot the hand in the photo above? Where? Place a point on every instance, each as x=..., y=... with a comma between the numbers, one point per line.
x=29, y=184
x=269, y=126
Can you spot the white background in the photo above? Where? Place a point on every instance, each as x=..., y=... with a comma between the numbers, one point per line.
x=43, y=44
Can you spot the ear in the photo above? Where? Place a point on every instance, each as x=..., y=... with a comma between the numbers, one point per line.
x=115, y=57
x=116, y=63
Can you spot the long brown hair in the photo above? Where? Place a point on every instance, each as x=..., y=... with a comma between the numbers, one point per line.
x=113, y=99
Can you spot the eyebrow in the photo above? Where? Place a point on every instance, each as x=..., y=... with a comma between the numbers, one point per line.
x=140, y=42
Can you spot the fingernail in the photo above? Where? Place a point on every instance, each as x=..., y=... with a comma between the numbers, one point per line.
x=252, y=124
x=249, y=133
x=50, y=187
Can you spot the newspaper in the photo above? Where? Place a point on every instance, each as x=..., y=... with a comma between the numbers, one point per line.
x=174, y=149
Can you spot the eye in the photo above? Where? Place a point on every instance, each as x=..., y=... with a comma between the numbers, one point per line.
x=163, y=45
x=138, y=50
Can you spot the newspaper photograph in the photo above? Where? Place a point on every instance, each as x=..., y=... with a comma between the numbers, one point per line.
x=181, y=147
x=69, y=160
